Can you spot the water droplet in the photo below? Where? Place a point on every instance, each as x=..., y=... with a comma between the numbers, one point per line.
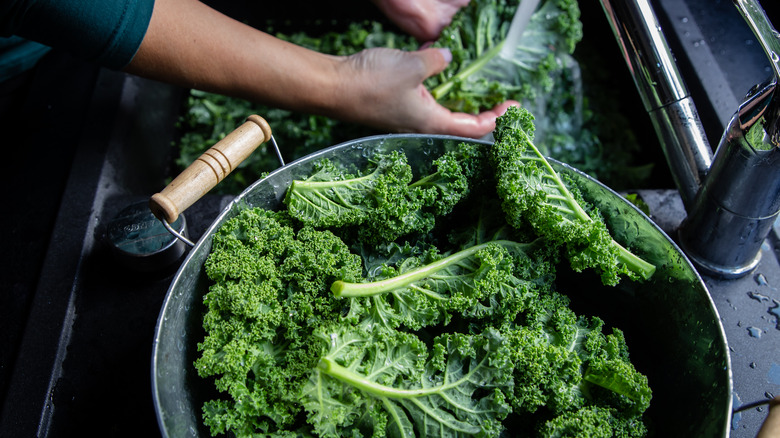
x=738, y=416
x=753, y=365
x=769, y=395
x=684, y=19
x=774, y=374
x=758, y=297
x=760, y=279
x=776, y=312
x=754, y=332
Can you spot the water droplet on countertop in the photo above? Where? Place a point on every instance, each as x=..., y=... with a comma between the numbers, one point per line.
x=753, y=365
x=760, y=279
x=758, y=297
x=774, y=374
x=754, y=332
x=776, y=312
x=738, y=416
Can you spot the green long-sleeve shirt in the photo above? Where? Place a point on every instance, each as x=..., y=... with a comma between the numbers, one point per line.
x=107, y=32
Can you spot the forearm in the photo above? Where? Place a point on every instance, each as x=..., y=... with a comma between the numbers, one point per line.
x=190, y=44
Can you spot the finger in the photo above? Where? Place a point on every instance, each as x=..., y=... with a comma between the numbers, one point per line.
x=472, y=125
x=435, y=60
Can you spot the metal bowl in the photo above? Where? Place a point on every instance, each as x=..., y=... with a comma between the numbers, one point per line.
x=671, y=324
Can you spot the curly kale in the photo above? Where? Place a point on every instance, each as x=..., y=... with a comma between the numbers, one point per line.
x=311, y=333
x=399, y=390
x=532, y=192
x=385, y=203
x=595, y=422
x=564, y=361
x=475, y=80
x=269, y=291
x=477, y=282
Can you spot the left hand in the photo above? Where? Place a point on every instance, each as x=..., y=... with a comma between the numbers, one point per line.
x=386, y=89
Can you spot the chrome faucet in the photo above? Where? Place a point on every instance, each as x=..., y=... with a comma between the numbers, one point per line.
x=733, y=198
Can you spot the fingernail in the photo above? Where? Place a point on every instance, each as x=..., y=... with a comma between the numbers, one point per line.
x=446, y=53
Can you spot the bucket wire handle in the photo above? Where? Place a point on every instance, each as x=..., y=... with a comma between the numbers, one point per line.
x=208, y=170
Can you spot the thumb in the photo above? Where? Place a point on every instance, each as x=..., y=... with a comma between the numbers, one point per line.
x=435, y=60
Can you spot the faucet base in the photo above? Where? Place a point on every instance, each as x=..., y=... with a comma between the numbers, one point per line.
x=707, y=267
x=721, y=243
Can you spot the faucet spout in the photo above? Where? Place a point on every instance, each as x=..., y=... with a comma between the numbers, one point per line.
x=663, y=91
x=739, y=201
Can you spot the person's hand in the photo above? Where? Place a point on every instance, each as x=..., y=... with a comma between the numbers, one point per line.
x=422, y=19
x=384, y=88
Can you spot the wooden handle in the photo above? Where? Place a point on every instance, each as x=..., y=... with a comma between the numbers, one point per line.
x=771, y=426
x=209, y=169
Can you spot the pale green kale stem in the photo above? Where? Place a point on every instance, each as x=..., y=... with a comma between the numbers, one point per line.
x=443, y=89
x=344, y=289
x=631, y=260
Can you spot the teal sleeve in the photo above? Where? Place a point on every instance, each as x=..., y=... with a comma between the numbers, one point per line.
x=18, y=55
x=108, y=32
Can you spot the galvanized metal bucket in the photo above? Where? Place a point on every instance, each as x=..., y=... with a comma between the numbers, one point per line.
x=671, y=325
